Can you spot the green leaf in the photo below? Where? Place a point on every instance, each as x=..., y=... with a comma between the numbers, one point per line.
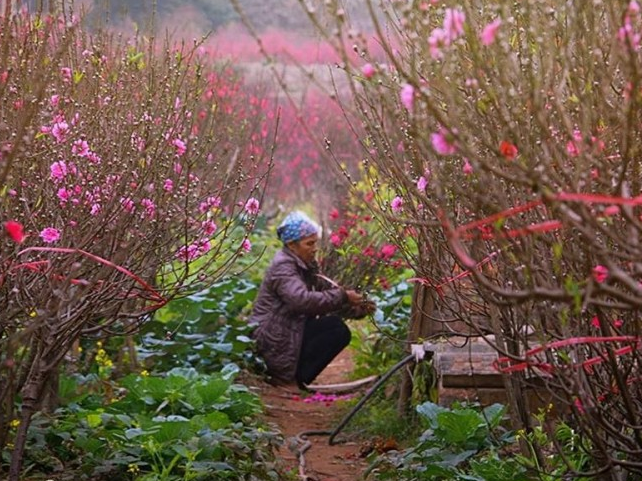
x=174, y=430
x=90, y=445
x=136, y=432
x=215, y=420
x=94, y=420
x=461, y=428
x=494, y=414
x=430, y=411
x=225, y=347
x=212, y=391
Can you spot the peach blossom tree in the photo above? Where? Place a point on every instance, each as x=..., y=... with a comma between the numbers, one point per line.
x=130, y=173
x=510, y=135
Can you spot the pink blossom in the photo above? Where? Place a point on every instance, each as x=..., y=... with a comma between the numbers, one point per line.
x=64, y=195
x=80, y=147
x=454, y=23
x=407, y=96
x=203, y=246
x=422, y=183
x=128, y=204
x=66, y=74
x=95, y=209
x=579, y=405
x=467, y=169
x=209, y=203
x=436, y=41
x=246, y=245
x=180, y=146
x=54, y=100
x=598, y=144
x=368, y=252
x=252, y=206
x=627, y=35
x=595, y=322
x=178, y=168
x=368, y=70
x=489, y=32
x=396, y=205
x=334, y=214
x=572, y=148
x=168, y=185
x=209, y=227
x=138, y=142
x=93, y=157
x=193, y=251
x=443, y=142
x=612, y=210
x=50, y=235
x=58, y=170
x=335, y=240
x=326, y=399
x=149, y=206
x=387, y=251
x=633, y=8
x=60, y=130
x=600, y=273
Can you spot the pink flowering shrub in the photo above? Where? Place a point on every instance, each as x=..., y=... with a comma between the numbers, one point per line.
x=529, y=221
x=303, y=170
x=129, y=174
x=354, y=249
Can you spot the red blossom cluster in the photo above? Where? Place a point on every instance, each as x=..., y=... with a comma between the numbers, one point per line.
x=355, y=251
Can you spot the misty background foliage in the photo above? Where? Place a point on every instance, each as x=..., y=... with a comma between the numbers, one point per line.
x=208, y=16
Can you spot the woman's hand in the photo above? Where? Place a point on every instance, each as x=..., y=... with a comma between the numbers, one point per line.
x=368, y=306
x=354, y=298
x=360, y=306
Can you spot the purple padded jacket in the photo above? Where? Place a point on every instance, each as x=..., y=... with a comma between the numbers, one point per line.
x=289, y=293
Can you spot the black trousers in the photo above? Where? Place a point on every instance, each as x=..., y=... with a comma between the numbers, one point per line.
x=323, y=339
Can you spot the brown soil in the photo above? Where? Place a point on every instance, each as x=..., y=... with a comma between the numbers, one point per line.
x=285, y=409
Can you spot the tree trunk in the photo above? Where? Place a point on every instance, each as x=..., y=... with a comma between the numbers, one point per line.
x=423, y=306
x=31, y=394
x=518, y=404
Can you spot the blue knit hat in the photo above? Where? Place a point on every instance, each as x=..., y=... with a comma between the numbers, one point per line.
x=296, y=226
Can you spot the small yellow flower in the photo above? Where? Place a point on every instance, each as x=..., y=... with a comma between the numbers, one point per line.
x=144, y=373
x=133, y=468
x=33, y=313
x=15, y=423
x=99, y=344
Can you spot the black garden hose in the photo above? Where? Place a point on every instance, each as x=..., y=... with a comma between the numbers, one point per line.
x=305, y=444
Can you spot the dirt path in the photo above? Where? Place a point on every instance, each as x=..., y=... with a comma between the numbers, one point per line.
x=288, y=410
